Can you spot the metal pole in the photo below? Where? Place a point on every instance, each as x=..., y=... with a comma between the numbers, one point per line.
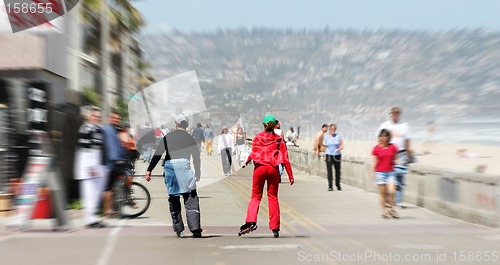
x=105, y=58
x=72, y=30
x=143, y=95
x=125, y=56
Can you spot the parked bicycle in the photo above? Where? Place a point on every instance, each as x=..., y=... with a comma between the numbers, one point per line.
x=130, y=202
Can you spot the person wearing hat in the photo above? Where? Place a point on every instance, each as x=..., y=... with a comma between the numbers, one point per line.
x=226, y=147
x=268, y=151
x=180, y=180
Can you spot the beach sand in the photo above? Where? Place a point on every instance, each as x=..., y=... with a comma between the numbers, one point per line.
x=436, y=155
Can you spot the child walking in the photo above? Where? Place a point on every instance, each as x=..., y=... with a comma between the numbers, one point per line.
x=384, y=155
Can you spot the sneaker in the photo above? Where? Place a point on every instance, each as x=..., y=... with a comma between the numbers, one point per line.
x=96, y=225
x=180, y=234
x=276, y=233
x=330, y=189
x=196, y=234
x=401, y=206
x=247, y=228
x=393, y=213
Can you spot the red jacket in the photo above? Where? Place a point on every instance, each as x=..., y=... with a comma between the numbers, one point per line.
x=270, y=149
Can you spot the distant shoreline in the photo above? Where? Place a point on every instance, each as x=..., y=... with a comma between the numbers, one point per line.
x=437, y=154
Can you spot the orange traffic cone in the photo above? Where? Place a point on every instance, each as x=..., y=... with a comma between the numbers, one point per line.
x=42, y=208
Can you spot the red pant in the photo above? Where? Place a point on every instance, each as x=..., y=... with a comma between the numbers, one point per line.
x=262, y=173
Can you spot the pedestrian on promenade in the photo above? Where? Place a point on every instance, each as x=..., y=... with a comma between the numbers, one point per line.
x=180, y=180
x=382, y=171
x=234, y=129
x=226, y=147
x=334, y=144
x=208, y=133
x=278, y=131
x=147, y=140
x=198, y=135
x=239, y=144
x=430, y=138
x=268, y=151
x=90, y=169
x=318, y=140
x=115, y=159
x=131, y=155
x=400, y=137
x=291, y=137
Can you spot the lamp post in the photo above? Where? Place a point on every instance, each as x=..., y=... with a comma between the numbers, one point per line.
x=105, y=57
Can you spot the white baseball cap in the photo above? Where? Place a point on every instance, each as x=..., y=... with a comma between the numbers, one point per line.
x=180, y=118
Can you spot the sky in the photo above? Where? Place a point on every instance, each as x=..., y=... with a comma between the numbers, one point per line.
x=209, y=15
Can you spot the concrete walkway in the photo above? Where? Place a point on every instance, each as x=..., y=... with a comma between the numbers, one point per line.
x=317, y=226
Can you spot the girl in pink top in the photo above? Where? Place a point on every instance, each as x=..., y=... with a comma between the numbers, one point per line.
x=384, y=155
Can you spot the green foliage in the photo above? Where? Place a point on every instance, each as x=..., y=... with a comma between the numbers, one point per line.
x=122, y=108
x=76, y=204
x=92, y=97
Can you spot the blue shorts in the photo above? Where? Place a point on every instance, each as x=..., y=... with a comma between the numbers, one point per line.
x=385, y=177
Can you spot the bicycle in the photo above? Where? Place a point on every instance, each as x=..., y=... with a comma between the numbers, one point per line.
x=133, y=202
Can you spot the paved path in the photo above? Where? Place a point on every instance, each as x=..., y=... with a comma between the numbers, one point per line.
x=318, y=227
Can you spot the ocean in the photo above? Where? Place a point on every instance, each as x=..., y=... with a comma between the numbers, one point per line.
x=473, y=131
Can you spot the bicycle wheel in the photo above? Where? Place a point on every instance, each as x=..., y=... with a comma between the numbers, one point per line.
x=138, y=201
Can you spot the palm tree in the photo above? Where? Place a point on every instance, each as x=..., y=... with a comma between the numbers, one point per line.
x=124, y=20
x=145, y=78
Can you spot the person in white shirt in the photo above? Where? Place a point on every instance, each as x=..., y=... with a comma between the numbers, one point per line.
x=291, y=137
x=226, y=147
x=401, y=138
x=90, y=168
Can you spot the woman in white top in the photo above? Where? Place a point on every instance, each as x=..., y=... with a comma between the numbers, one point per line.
x=226, y=147
x=239, y=142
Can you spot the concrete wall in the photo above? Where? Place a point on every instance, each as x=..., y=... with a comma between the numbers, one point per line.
x=29, y=51
x=472, y=197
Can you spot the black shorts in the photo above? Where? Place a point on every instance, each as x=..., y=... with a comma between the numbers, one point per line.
x=117, y=171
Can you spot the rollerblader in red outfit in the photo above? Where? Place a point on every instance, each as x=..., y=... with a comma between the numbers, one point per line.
x=268, y=151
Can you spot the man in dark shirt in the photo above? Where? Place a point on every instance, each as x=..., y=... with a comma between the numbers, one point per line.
x=198, y=135
x=180, y=179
